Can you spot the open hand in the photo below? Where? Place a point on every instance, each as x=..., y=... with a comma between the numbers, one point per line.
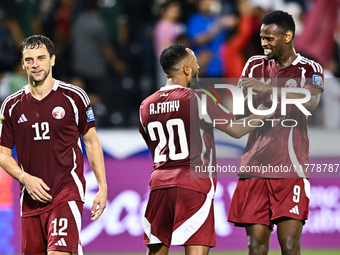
x=99, y=204
x=36, y=188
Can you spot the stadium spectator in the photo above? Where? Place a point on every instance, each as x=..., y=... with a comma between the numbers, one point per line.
x=183, y=195
x=44, y=121
x=264, y=198
x=207, y=31
x=94, y=57
x=11, y=36
x=167, y=29
x=233, y=52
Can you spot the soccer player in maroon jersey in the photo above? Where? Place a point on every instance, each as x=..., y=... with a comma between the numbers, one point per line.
x=180, y=136
x=279, y=193
x=44, y=121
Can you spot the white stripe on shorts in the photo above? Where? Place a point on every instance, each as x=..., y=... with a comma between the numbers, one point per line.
x=147, y=229
x=77, y=217
x=191, y=225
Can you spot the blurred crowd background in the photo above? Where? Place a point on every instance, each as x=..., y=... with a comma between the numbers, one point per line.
x=111, y=47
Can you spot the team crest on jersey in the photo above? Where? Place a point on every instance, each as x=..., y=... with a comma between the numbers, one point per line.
x=291, y=83
x=317, y=80
x=58, y=112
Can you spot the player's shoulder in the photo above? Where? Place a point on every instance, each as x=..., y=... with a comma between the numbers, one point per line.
x=308, y=64
x=257, y=59
x=172, y=92
x=72, y=91
x=14, y=98
x=254, y=61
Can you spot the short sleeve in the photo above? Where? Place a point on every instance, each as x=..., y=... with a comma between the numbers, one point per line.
x=86, y=119
x=314, y=76
x=215, y=114
x=6, y=127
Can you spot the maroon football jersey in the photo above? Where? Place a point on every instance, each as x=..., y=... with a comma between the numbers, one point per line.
x=46, y=135
x=179, y=133
x=273, y=150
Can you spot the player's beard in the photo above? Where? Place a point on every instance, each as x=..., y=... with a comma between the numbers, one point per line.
x=195, y=75
x=41, y=79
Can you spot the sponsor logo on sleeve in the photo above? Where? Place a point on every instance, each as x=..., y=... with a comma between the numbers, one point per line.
x=317, y=80
x=90, y=115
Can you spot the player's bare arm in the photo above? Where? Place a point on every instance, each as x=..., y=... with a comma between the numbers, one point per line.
x=240, y=127
x=96, y=160
x=260, y=87
x=245, y=83
x=35, y=187
x=246, y=110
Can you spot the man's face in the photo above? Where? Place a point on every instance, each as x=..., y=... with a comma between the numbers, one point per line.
x=272, y=41
x=206, y=6
x=37, y=63
x=194, y=65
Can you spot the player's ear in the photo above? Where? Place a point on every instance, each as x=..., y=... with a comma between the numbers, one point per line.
x=53, y=60
x=288, y=36
x=22, y=64
x=186, y=70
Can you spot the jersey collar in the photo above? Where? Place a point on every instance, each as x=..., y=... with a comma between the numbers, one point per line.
x=297, y=60
x=171, y=87
x=55, y=86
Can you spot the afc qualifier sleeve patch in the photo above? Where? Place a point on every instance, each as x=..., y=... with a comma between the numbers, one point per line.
x=317, y=80
x=90, y=115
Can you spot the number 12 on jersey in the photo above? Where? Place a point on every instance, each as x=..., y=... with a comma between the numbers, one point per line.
x=159, y=156
x=44, y=128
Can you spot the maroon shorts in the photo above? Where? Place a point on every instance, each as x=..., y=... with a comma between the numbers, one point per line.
x=55, y=230
x=179, y=216
x=262, y=201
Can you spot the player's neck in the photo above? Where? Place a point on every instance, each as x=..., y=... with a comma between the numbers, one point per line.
x=40, y=90
x=177, y=81
x=286, y=59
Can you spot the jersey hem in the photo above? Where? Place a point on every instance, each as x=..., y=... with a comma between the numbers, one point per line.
x=25, y=215
x=177, y=186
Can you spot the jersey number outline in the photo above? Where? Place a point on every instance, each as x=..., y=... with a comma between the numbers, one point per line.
x=158, y=157
x=45, y=127
x=63, y=223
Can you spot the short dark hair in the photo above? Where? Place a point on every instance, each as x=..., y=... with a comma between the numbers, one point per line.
x=171, y=56
x=37, y=41
x=282, y=19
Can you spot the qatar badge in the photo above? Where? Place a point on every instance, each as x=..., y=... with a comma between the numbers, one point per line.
x=291, y=83
x=58, y=112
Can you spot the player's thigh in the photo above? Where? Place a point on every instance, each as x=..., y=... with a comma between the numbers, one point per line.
x=157, y=249
x=289, y=232
x=250, y=203
x=258, y=235
x=289, y=198
x=33, y=236
x=63, y=225
x=58, y=253
x=194, y=219
x=158, y=217
x=196, y=250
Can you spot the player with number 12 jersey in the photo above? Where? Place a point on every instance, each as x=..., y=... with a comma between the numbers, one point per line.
x=46, y=137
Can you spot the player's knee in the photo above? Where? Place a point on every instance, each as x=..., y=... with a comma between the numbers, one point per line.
x=256, y=247
x=290, y=246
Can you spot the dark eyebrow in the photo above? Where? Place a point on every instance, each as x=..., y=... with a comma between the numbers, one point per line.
x=38, y=57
